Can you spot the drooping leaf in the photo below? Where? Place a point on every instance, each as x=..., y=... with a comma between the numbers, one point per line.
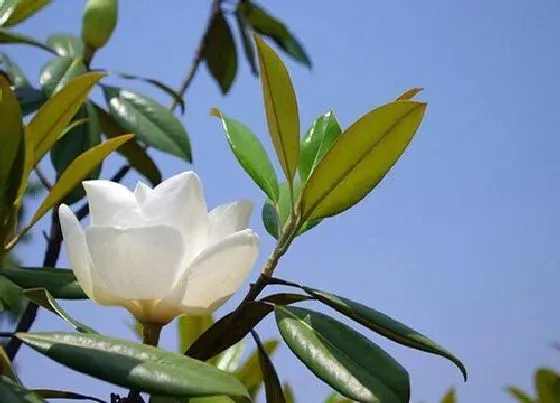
x=251, y=154
x=281, y=108
x=408, y=94
x=449, y=396
x=273, y=389
x=151, y=122
x=190, y=327
x=10, y=37
x=49, y=122
x=76, y=172
x=60, y=283
x=384, y=325
x=64, y=394
x=220, y=53
x=360, y=159
x=519, y=395
x=343, y=358
x=247, y=42
x=547, y=384
x=324, y=131
x=265, y=24
x=250, y=373
x=134, y=366
x=131, y=150
x=14, y=72
x=66, y=45
x=13, y=392
x=41, y=297
x=22, y=10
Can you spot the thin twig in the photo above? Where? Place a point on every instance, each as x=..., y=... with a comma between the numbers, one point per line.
x=43, y=178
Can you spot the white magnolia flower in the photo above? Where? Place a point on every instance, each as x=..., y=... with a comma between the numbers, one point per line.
x=158, y=252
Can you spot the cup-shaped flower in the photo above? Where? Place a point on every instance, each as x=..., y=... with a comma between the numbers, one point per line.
x=159, y=252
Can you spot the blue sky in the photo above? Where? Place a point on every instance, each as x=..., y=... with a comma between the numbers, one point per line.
x=459, y=241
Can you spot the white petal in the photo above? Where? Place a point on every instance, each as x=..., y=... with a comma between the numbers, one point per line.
x=80, y=259
x=229, y=218
x=216, y=274
x=141, y=192
x=137, y=263
x=179, y=203
x=111, y=204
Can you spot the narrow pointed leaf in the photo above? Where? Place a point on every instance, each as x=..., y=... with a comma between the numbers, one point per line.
x=60, y=283
x=66, y=45
x=547, y=384
x=281, y=108
x=288, y=393
x=12, y=392
x=220, y=53
x=251, y=154
x=76, y=172
x=41, y=297
x=230, y=359
x=324, y=131
x=6, y=368
x=49, y=122
x=134, y=366
x=360, y=159
x=23, y=10
x=151, y=122
x=519, y=395
x=7, y=37
x=131, y=150
x=343, y=358
x=190, y=327
x=384, y=325
x=409, y=94
x=64, y=394
x=273, y=389
x=58, y=72
x=30, y=99
x=250, y=373
x=247, y=42
x=449, y=397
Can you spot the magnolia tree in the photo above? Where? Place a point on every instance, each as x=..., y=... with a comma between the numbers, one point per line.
x=157, y=251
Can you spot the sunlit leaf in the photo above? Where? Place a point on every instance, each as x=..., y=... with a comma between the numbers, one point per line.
x=22, y=10
x=66, y=45
x=190, y=327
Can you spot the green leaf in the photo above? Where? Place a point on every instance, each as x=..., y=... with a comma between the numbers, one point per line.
x=281, y=108
x=59, y=71
x=246, y=41
x=251, y=154
x=384, y=325
x=30, y=99
x=343, y=358
x=547, y=384
x=336, y=398
x=76, y=172
x=41, y=297
x=273, y=389
x=14, y=72
x=265, y=24
x=49, y=122
x=131, y=150
x=449, y=397
x=519, y=395
x=360, y=159
x=190, y=327
x=324, y=131
x=288, y=393
x=12, y=392
x=64, y=394
x=220, y=53
x=22, y=10
x=408, y=94
x=250, y=373
x=134, y=366
x=151, y=122
x=6, y=368
x=66, y=45
x=60, y=283
x=230, y=360
x=10, y=37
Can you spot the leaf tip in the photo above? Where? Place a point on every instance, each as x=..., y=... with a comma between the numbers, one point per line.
x=216, y=112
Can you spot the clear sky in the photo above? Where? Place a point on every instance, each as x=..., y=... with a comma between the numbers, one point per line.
x=461, y=239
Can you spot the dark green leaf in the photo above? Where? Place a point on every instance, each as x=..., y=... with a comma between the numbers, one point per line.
x=270, y=219
x=547, y=384
x=220, y=53
x=7, y=37
x=384, y=325
x=251, y=154
x=250, y=374
x=41, y=297
x=58, y=72
x=134, y=366
x=343, y=358
x=265, y=24
x=60, y=283
x=12, y=392
x=247, y=42
x=131, y=150
x=64, y=394
x=30, y=99
x=273, y=389
x=66, y=45
x=151, y=122
x=317, y=141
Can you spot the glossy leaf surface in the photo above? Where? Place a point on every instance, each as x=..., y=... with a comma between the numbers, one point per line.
x=60, y=283
x=12, y=392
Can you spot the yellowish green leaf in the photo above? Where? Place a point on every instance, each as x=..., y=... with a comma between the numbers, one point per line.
x=408, y=94
x=190, y=327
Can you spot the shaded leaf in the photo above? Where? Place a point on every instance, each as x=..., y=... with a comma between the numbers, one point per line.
x=190, y=327
x=41, y=297
x=281, y=108
x=250, y=373
x=76, y=172
x=151, y=122
x=131, y=150
x=342, y=357
x=360, y=159
x=30, y=99
x=10, y=37
x=247, y=42
x=220, y=53
x=6, y=368
x=12, y=392
x=22, y=10
x=273, y=389
x=60, y=283
x=251, y=154
x=547, y=384
x=14, y=72
x=134, y=366
x=66, y=45
x=64, y=394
